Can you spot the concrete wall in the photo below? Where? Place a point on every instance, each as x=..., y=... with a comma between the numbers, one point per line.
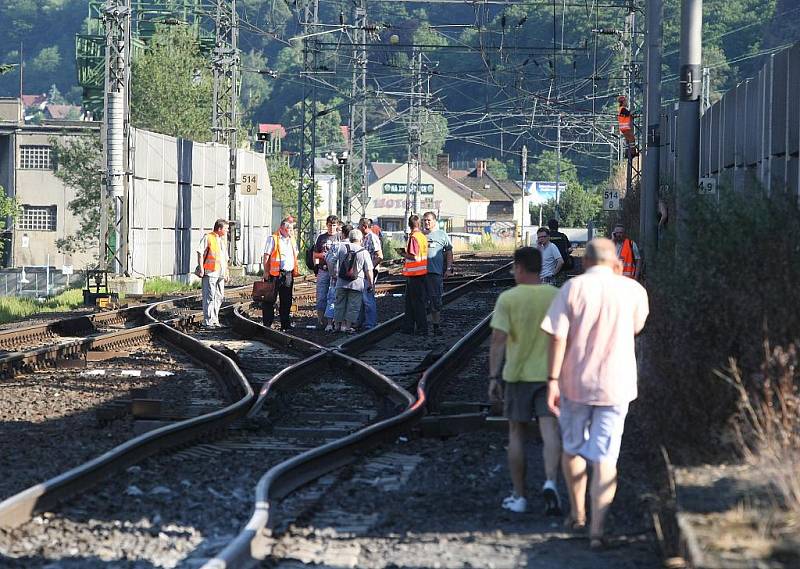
x=751, y=136
x=178, y=189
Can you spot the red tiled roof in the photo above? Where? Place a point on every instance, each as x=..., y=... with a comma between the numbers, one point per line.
x=33, y=100
x=269, y=127
x=60, y=111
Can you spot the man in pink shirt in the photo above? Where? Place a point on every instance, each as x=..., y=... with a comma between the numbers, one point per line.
x=592, y=377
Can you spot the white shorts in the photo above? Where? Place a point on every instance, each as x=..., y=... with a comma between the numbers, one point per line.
x=592, y=431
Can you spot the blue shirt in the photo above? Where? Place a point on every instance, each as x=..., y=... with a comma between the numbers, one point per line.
x=438, y=244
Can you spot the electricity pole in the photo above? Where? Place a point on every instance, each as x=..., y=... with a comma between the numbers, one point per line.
x=688, y=167
x=524, y=169
x=414, y=178
x=359, y=196
x=116, y=115
x=225, y=62
x=648, y=226
x=306, y=195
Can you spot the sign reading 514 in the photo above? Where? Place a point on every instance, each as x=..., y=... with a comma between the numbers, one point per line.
x=610, y=200
x=249, y=184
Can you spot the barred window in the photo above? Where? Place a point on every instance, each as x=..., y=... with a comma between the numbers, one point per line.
x=37, y=218
x=35, y=157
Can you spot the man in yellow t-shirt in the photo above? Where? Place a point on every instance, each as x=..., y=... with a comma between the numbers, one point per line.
x=517, y=339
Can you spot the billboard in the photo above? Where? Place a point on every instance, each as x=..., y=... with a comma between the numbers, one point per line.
x=538, y=192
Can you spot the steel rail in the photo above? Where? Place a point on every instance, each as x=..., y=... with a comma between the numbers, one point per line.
x=19, y=508
x=250, y=546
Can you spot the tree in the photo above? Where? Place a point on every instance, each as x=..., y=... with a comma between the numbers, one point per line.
x=329, y=127
x=9, y=208
x=172, y=87
x=255, y=87
x=78, y=163
x=434, y=135
x=284, y=180
x=497, y=169
x=576, y=205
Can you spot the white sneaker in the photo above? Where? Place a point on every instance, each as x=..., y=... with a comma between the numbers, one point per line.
x=329, y=328
x=515, y=503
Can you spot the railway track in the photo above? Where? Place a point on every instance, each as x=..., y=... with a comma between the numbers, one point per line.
x=292, y=421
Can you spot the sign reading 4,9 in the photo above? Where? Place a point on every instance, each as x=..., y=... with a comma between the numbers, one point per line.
x=707, y=187
x=610, y=200
x=249, y=184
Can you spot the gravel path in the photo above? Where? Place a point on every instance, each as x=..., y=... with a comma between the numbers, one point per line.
x=49, y=421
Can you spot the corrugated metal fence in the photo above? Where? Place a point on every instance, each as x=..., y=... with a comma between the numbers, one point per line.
x=751, y=134
x=179, y=188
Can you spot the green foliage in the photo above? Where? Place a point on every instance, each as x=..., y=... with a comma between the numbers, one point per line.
x=8, y=208
x=255, y=87
x=162, y=286
x=171, y=89
x=329, y=123
x=284, y=180
x=434, y=135
x=576, y=207
x=497, y=168
x=718, y=297
x=78, y=163
x=16, y=308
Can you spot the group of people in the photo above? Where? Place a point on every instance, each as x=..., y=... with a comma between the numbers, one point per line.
x=346, y=260
x=565, y=357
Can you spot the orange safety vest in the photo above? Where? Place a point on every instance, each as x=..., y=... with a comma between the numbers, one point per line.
x=627, y=258
x=275, y=258
x=211, y=255
x=419, y=266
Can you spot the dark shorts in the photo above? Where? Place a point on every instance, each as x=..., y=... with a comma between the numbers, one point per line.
x=524, y=400
x=434, y=285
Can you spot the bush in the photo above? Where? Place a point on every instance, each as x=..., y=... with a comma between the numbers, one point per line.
x=736, y=285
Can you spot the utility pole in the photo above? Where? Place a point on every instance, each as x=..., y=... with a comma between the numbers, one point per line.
x=648, y=226
x=117, y=23
x=524, y=169
x=306, y=195
x=414, y=178
x=633, y=66
x=225, y=64
x=688, y=167
x=558, y=170
x=359, y=197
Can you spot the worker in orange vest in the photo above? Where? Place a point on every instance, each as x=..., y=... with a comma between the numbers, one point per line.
x=415, y=268
x=212, y=267
x=627, y=253
x=625, y=120
x=280, y=265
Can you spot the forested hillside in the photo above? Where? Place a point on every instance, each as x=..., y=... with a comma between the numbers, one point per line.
x=488, y=73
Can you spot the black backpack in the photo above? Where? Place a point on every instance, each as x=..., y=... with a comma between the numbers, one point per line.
x=310, y=260
x=347, y=268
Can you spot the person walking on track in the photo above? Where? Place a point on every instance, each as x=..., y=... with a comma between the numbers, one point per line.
x=325, y=242
x=280, y=265
x=354, y=276
x=523, y=388
x=212, y=267
x=551, y=257
x=627, y=252
x=368, y=317
x=415, y=268
x=440, y=263
x=592, y=377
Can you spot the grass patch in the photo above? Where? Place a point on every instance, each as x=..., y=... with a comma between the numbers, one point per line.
x=489, y=244
x=14, y=308
x=167, y=286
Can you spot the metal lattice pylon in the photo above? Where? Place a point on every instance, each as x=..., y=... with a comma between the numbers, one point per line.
x=306, y=195
x=359, y=191
x=634, y=42
x=225, y=68
x=117, y=24
x=414, y=177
